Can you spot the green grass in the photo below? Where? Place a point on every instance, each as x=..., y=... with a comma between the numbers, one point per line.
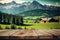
x=38, y=26
x=52, y=25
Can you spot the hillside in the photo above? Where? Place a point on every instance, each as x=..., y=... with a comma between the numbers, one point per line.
x=38, y=12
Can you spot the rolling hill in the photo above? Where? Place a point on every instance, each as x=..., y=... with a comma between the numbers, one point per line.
x=38, y=12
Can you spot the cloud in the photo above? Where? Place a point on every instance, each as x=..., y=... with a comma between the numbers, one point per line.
x=19, y=1
x=5, y=1
x=0, y=0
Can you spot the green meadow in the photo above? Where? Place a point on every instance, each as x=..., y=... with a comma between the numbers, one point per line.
x=33, y=26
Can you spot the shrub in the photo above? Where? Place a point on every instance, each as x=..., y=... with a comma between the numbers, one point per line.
x=25, y=28
x=19, y=28
x=0, y=27
x=7, y=27
x=57, y=28
x=32, y=29
x=13, y=27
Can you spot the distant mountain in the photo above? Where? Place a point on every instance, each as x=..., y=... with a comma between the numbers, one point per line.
x=15, y=8
x=38, y=12
x=36, y=5
x=26, y=3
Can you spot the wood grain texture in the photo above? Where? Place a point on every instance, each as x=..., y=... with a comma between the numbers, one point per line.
x=30, y=34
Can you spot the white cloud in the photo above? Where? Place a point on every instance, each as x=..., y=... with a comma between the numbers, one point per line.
x=7, y=1
x=19, y=1
x=1, y=0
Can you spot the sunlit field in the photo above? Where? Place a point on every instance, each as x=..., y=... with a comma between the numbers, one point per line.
x=44, y=26
x=33, y=26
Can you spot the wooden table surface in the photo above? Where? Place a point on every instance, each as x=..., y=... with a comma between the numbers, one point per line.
x=30, y=34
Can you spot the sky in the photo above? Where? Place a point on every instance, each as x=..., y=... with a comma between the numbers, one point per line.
x=48, y=2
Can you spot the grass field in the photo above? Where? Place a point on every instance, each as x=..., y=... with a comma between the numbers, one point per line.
x=41, y=25
x=38, y=26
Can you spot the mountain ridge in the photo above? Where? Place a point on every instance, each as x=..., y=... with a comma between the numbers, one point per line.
x=14, y=8
x=38, y=12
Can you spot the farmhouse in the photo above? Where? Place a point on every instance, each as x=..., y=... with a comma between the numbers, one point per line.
x=49, y=20
x=10, y=19
x=54, y=20
x=45, y=19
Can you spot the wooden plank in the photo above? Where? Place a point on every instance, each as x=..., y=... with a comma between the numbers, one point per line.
x=6, y=33
x=43, y=35
x=55, y=33
x=13, y=32
x=24, y=34
x=3, y=35
x=58, y=30
x=2, y=30
x=19, y=35
x=31, y=35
